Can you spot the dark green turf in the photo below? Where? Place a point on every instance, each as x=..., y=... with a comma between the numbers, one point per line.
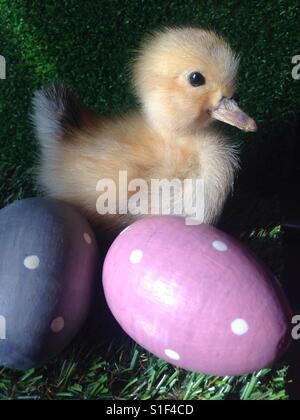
x=88, y=44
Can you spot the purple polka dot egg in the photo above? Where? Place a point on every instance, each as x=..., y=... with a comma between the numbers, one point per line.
x=195, y=297
x=48, y=262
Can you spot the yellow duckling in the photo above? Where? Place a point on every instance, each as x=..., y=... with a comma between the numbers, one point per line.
x=184, y=80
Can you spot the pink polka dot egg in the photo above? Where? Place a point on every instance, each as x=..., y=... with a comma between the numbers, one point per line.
x=195, y=297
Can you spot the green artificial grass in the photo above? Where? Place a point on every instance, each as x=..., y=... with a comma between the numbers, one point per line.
x=88, y=45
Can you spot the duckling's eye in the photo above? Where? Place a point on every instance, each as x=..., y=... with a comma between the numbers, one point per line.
x=196, y=79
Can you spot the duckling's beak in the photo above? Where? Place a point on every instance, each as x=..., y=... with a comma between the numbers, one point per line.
x=229, y=112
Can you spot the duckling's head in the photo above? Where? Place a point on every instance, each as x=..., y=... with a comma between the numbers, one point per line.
x=185, y=78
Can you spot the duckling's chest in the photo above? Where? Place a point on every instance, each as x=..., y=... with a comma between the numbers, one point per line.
x=177, y=160
x=205, y=167
x=209, y=157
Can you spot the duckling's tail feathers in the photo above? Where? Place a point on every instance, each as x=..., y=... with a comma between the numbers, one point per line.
x=58, y=114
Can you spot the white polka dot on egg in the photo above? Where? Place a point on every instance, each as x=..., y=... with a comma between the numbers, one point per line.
x=2, y=327
x=239, y=327
x=172, y=354
x=136, y=256
x=32, y=262
x=57, y=325
x=87, y=238
x=220, y=246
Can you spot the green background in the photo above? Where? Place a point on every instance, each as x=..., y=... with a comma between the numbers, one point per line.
x=88, y=45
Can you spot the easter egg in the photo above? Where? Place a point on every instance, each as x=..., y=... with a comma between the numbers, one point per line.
x=195, y=297
x=48, y=257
